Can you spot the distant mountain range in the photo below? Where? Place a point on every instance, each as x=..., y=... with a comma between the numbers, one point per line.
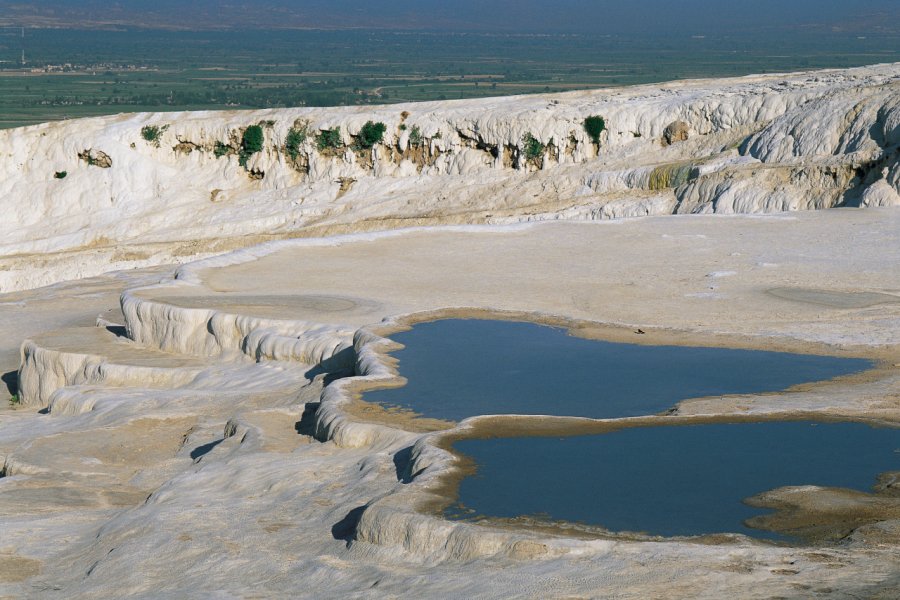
x=575, y=16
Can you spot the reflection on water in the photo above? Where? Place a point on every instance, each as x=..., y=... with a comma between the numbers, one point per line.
x=669, y=480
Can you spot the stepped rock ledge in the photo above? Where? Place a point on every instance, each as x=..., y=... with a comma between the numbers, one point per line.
x=188, y=420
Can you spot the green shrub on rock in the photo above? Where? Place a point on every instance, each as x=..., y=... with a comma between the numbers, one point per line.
x=415, y=137
x=329, y=139
x=153, y=133
x=534, y=149
x=370, y=134
x=594, y=126
x=295, y=138
x=221, y=149
x=252, y=140
x=251, y=143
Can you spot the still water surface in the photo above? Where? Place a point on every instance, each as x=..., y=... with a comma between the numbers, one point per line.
x=684, y=480
x=669, y=480
x=458, y=368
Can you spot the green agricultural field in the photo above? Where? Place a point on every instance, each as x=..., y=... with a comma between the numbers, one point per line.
x=71, y=73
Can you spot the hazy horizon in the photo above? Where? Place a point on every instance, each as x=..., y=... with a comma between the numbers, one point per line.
x=90, y=57
x=690, y=17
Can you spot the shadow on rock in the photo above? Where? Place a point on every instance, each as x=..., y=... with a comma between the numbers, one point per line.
x=346, y=527
x=11, y=381
x=403, y=464
x=329, y=376
x=307, y=423
x=117, y=330
x=201, y=451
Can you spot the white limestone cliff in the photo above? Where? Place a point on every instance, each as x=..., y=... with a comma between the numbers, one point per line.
x=87, y=196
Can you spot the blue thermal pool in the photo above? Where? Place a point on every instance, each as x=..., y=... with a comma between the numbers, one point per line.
x=668, y=480
x=458, y=368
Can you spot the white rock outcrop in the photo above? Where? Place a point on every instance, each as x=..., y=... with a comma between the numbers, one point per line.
x=87, y=196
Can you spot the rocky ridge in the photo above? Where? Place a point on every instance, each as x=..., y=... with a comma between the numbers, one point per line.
x=87, y=196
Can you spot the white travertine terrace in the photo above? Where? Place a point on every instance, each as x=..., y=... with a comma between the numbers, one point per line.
x=202, y=453
x=755, y=144
x=187, y=432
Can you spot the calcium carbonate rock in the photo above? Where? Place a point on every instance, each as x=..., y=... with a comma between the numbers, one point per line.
x=880, y=193
x=676, y=132
x=454, y=162
x=859, y=120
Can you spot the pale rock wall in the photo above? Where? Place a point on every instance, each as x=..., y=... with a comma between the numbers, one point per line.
x=43, y=371
x=766, y=189
x=861, y=125
x=180, y=197
x=211, y=333
x=332, y=422
x=860, y=121
x=880, y=193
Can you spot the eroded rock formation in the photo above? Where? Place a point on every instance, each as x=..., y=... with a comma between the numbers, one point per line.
x=756, y=144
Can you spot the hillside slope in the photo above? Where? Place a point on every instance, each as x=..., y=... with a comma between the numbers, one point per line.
x=89, y=196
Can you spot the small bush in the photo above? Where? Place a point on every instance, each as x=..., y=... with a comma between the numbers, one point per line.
x=15, y=400
x=594, y=126
x=415, y=136
x=221, y=149
x=534, y=149
x=251, y=143
x=295, y=139
x=370, y=134
x=402, y=126
x=150, y=133
x=60, y=175
x=252, y=140
x=329, y=138
x=153, y=133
